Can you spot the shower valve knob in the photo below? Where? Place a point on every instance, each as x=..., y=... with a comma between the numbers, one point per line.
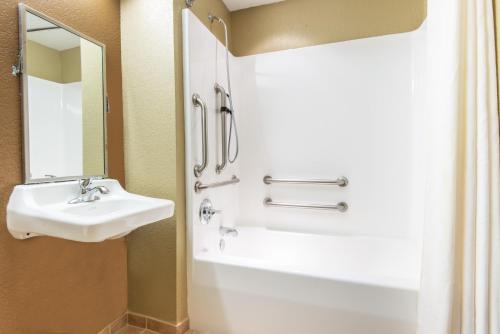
x=207, y=211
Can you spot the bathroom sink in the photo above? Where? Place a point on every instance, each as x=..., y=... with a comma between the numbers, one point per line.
x=43, y=209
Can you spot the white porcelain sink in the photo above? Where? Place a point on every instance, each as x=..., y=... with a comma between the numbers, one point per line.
x=43, y=209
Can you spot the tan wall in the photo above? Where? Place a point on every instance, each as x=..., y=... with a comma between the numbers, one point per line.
x=154, y=135
x=299, y=23
x=497, y=37
x=153, y=155
x=202, y=8
x=43, y=62
x=71, y=67
x=49, y=285
x=181, y=293
x=53, y=65
x=93, y=104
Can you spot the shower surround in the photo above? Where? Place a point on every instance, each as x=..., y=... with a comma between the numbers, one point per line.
x=348, y=109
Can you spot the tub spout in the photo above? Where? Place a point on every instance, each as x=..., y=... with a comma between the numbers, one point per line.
x=223, y=231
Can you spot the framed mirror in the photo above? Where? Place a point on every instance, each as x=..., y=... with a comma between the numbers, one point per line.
x=64, y=100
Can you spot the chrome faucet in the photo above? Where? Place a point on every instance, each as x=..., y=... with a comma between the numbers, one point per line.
x=207, y=211
x=223, y=231
x=88, y=193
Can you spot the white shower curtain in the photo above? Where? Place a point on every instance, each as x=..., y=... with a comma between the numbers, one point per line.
x=460, y=289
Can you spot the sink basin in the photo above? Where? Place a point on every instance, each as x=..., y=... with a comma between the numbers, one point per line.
x=43, y=209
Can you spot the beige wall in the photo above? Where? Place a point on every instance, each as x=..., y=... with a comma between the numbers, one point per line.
x=154, y=147
x=154, y=156
x=43, y=62
x=299, y=23
x=181, y=294
x=93, y=106
x=71, y=67
x=50, y=285
x=53, y=65
x=201, y=8
x=497, y=36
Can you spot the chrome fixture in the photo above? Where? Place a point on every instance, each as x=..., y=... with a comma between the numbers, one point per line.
x=189, y=3
x=213, y=18
x=198, y=186
x=232, y=126
x=341, y=206
x=207, y=211
x=341, y=181
x=223, y=111
x=87, y=193
x=223, y=231
x=198, y=169
x=17, y=69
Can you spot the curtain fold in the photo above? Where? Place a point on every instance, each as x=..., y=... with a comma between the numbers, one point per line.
x=460, y=287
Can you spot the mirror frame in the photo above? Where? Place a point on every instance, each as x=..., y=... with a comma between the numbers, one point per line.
x=23, y=10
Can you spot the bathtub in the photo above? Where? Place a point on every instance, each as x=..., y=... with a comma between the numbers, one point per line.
x=271, y=282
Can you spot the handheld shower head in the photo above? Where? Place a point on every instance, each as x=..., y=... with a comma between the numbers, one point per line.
x=232, y=127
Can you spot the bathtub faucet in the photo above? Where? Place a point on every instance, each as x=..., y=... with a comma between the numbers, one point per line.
x=223, y=231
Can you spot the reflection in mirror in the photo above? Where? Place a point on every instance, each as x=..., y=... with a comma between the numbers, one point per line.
x=65, y=103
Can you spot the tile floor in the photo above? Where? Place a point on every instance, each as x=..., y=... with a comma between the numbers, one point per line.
x=136, y=330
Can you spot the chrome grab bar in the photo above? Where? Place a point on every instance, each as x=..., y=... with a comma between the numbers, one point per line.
x=223, y=110
x=341, y=181
x=341, y=206
x=198, y=186
x=198, y=169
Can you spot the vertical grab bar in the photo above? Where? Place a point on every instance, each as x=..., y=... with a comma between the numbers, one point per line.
x=198, y=169
x=223, y=110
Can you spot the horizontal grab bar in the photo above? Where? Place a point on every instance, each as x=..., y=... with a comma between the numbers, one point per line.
x=198, y=186
x=341, y=181
x=341, y=206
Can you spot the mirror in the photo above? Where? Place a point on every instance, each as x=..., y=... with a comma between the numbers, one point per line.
x=64, y=100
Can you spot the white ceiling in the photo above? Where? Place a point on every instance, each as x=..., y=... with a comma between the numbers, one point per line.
x=58, y=39
x=233, y=5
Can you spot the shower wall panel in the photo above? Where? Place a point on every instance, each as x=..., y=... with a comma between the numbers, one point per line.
x=204, y=67
x=350, y=109
x=342, y=109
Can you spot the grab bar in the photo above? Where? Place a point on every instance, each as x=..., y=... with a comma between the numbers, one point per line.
x=341, y=206
x=198, y=169
x=341, y=181
x=223, y=110
x=198, y=186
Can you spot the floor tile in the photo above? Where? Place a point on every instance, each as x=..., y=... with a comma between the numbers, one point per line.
x=131, y=330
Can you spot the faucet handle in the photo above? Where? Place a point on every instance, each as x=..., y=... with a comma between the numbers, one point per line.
x=207, y=211
x=84, y=183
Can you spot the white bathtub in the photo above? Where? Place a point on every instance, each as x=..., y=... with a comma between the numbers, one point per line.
x=273, y=282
